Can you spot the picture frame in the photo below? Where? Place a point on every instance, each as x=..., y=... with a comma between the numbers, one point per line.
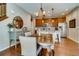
x=72, y=23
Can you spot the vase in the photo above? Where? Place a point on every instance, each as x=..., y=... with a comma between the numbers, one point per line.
x=11, y=29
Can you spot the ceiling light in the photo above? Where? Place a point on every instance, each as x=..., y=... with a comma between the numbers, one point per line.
x=36, y=13
x=52, y=20
x=63, y=13
x=42, y=21
x=48, y=11
x=66, y=9
x=42, y=13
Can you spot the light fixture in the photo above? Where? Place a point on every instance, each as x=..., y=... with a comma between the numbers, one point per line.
x=63, y=13
x=52, y=11
x=42, y=21
x=66, y=9
x=52, y=21
x=41, y=13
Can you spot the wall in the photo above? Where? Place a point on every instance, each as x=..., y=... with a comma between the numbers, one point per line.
x=12, y=11
x=73, y=33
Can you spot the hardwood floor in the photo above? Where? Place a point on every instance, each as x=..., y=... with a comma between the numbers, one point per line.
x=66, y=48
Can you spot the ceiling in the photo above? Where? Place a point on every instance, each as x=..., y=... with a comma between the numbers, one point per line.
x=60, y=9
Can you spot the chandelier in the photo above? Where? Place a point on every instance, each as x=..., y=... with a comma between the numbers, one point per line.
x=41, y=13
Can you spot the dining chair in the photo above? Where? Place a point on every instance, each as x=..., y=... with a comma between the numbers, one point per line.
x=51, y=47
x=47, y=43
x=45, y=46
x=28, y=46
x=53, y=43
x=57, y=36
x=28, y=33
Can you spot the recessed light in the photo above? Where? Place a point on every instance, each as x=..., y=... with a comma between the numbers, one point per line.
x=48, y=11
x=66, y=9
x=36, y=13
x=63, y=13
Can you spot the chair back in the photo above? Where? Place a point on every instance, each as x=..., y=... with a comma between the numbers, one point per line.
x=28, y=33
x=28, y=46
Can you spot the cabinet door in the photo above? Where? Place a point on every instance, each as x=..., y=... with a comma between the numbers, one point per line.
x=39, y=22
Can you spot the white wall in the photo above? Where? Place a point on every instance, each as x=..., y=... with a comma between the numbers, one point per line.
x=73, y=33
x=12, y=11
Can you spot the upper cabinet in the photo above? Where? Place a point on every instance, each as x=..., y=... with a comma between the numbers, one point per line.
x=2, y=11
x=41, y=22
x=53, y=21
x=61, y=20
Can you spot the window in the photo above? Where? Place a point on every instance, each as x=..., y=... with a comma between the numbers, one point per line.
x=2, y=11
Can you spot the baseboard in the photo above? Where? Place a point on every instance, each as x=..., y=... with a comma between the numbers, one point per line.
x=73, y=40
x=4, y=48
x=63, y=37
x=7, y=47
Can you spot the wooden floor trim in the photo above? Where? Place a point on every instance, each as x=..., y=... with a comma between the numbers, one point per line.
x=73, y=40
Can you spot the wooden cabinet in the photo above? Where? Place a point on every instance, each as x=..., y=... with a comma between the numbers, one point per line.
x=53, y=21
x=39, y=22
x=61, y=20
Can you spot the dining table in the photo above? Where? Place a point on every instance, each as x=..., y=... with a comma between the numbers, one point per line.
x=44, y=40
